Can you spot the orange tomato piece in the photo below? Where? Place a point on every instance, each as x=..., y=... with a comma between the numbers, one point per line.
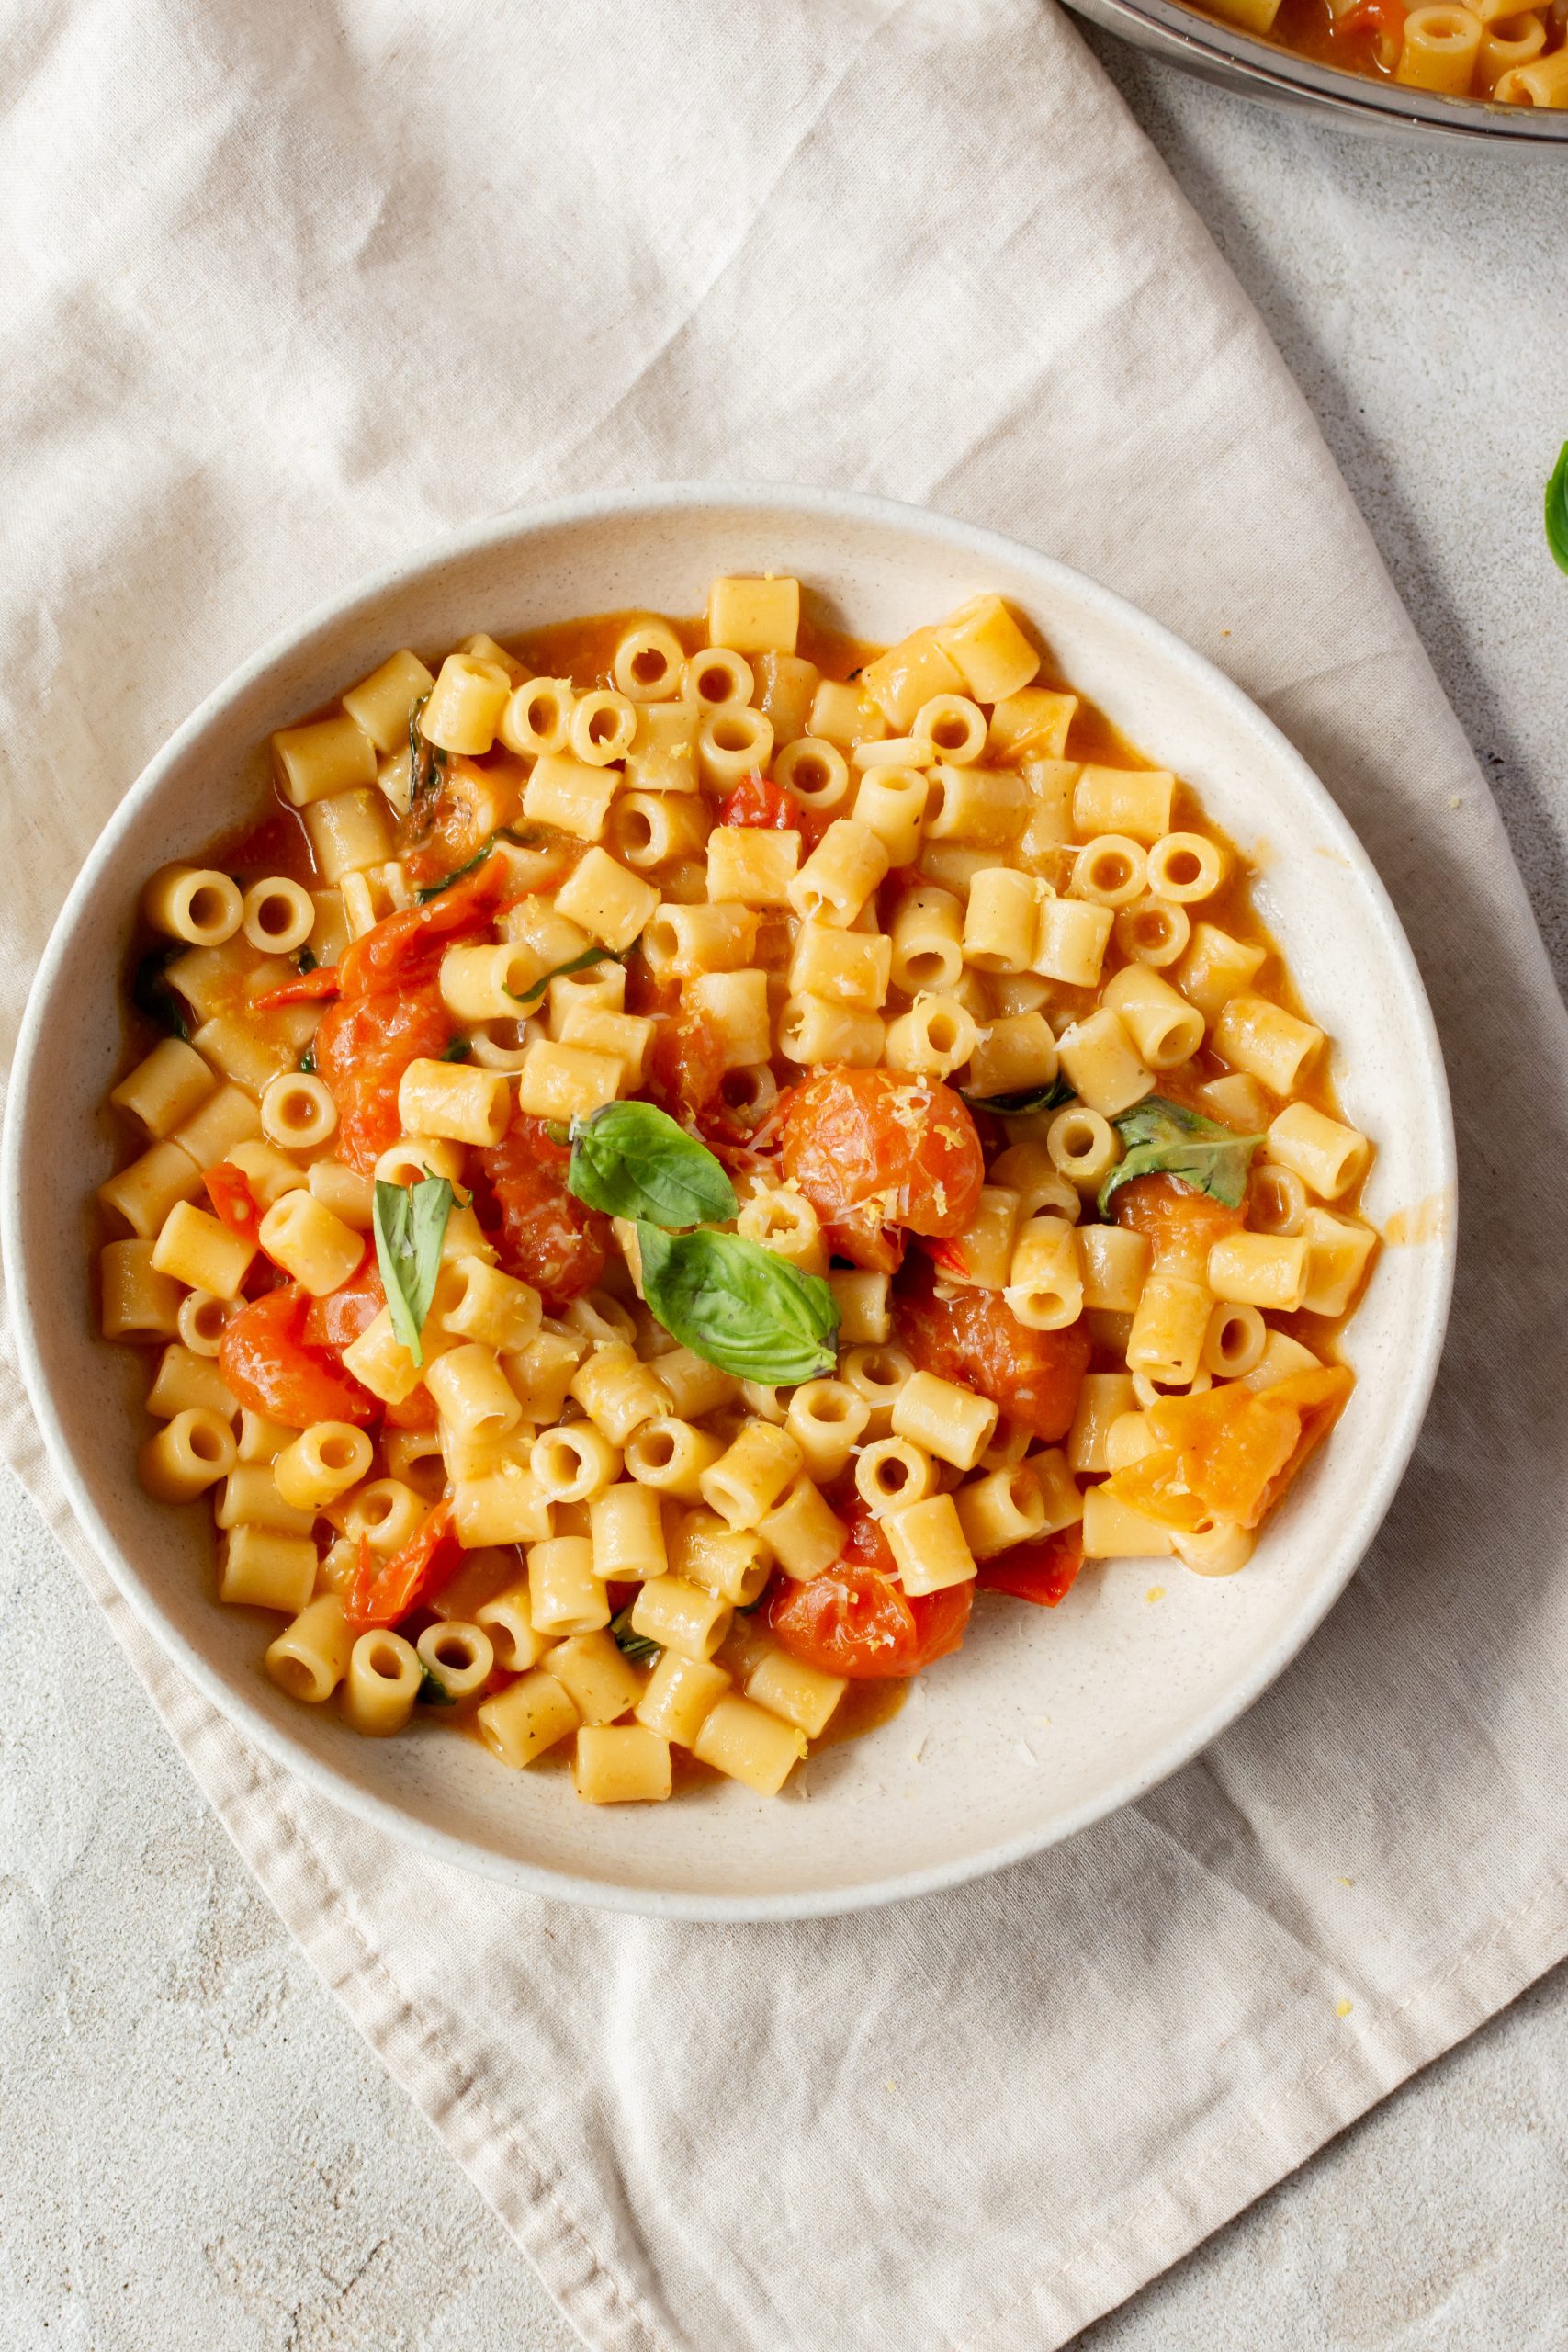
x=1181, y=1226
x=404, y=950
x=383, y=1591
x=1235, y=1449
x=874, y=1148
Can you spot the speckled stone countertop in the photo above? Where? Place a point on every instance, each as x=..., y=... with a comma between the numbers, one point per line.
x=199, y=2154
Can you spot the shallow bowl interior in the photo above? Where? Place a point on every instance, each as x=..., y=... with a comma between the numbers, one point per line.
x=1046, y=1720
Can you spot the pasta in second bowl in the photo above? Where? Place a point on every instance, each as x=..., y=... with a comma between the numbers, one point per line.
x=1046, y=1717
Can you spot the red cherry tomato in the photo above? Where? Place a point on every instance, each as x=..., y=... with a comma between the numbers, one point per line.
x=232, y=1200
x=872, y=1148
x=385, y=1590
x=757, y=801
x=404, y=950
x=322, y=982
x=267, y=1365
x=974, y=1339
x=853, y=1620
x=543, y=1235
x=346, y=1313
x=1043, y=1571
x=362, y=1047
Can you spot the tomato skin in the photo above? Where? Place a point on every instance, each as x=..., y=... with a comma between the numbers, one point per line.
x=267, y=1365
x=974, y=1340
x=385, y=1590
x=1180, y=1224
x=757, y=801
x=345, y=1314
x=1043, y=1571
x=232, y=1200
x=543, y=1235
x=404, y=951
x=322, y=982
x=853, y=1620
x=687, y=1064
x=874, y=1148
x=363, y=1046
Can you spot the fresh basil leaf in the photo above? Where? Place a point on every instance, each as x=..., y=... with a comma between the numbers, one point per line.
x=456, y=1049
x=529, y=1000
x=630, y=1159
x=471, y=864
x=308, y=1061
x=427, y=761
x=1167, y=1139
x=304, y=961
x=432, y=1694
x=152, y=994
x=1557, y=510
x=1026, y=1098
x=739, y=1306
x=410, y=1222
x=635, y=1647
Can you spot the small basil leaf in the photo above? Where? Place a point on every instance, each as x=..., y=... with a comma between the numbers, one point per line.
x=410, y=1222
x=530, y=996
x=635, y=1647
x=739, y=1306
x=631, y=1160
x=1026, y=1098
x=308, y=1061
x=471, y=864
x=456, y=1050
x=305, y=961
x=426, y=760
x=432, y=1694
x=1167, y=1139
x=1557, y=510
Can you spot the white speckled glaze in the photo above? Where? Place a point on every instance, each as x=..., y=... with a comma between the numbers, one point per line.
x=1047, y=1720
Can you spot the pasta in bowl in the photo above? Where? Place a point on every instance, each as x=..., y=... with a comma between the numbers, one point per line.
x=697, y=1172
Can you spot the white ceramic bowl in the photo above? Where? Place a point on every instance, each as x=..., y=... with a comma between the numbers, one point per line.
x=1048, y=1719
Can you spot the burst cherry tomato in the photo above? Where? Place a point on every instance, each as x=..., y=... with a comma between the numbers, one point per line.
x=383, y=1591
x=872, y=1148
x=1181, y=1226
x=362, y=1047
x=346, y=1313
x=267, y=1365
x=404, y=951
x=974, y=1339
x=1043, y=1571
x=688, y=1061
x=544, y=1236
x=757, y=801
x=321, y=982
x=853, y=1620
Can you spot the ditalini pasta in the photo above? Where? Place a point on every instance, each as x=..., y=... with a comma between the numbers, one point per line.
x=682, y=1152
x=1487, y=49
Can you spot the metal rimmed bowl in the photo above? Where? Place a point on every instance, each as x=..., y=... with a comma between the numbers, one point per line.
x=1234, y=60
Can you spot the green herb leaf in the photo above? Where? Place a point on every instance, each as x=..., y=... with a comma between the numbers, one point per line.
x=1557, y=510
x=630, y=1159
x=308, y=1061
x=304, y=961
x=632, y=1646
x=1166, y=1140
x=410, y=1224
x=432, y=1694
x=427, y=761
x=152, y=994
x=456, y=1049
x=1026, y=1098
x=739, y=1306
x=530, y=997
x=471, y=864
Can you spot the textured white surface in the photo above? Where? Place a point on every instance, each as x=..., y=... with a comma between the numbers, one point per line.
x=198, y=2151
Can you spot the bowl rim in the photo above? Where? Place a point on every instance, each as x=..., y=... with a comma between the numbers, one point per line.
x=27, y=1081
x=1269, y=69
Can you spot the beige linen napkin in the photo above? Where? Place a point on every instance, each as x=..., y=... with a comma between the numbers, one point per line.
x=288, y=291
